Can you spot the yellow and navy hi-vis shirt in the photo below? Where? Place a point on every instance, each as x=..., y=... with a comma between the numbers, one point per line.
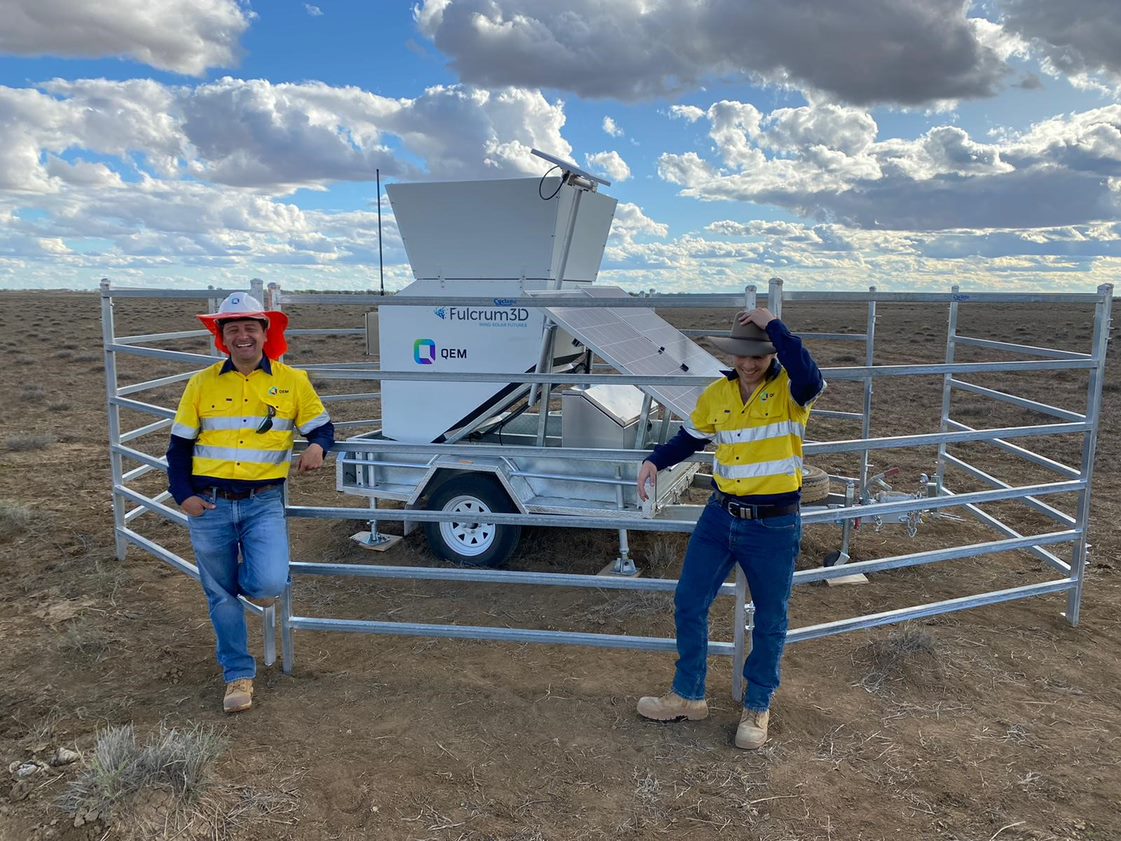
x=758, y=441
x=222, y=410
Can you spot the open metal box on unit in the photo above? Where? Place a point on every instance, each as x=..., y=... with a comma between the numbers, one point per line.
x=601, y=416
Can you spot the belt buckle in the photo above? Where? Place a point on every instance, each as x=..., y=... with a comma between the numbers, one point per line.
x=739, y=510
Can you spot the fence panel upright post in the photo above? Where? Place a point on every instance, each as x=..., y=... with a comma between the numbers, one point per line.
x=212, y=304
x=287, y=649
x=271, y=300
x=869, y=360
x=116, y=460
x=774, y=296
x=1102, y=316
x=741, y=642
x=943, y=425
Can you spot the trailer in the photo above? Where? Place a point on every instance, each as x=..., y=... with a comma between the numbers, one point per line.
x=480, y=251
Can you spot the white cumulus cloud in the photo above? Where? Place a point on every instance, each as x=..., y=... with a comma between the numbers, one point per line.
x=136, y=176
x=183, y=36
x=610, y=164
x=826, y=163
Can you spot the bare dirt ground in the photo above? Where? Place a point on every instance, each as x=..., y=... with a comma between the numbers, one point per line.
x=998, y=723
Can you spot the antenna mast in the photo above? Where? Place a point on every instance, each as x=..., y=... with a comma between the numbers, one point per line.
x=381, y=266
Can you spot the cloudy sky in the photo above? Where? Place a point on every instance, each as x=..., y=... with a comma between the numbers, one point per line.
x=909, y=144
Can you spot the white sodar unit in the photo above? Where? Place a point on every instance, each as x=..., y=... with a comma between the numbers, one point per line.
x=499, y=240
x=482, y=254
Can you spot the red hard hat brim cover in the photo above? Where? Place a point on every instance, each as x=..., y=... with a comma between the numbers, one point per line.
x=276, y=345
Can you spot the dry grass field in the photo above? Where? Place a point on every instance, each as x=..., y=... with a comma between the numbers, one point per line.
x=998, y=723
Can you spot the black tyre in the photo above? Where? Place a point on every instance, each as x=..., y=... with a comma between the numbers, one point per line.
x=472, y=541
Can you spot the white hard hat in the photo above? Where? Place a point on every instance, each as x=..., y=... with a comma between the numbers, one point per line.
x=243, y=305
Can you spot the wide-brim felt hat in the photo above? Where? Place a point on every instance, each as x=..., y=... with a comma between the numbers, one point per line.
x=745, y=339
x=239, y=306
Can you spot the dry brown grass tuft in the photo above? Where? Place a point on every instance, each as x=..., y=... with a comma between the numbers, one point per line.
x=33, y=393
x=160, y=788
x=663, y=556
x=973, y=410
x=30, y=441
x=86, y=641
x=890, y=655
x=620, y=605
x=167, y=788
x=14, y=519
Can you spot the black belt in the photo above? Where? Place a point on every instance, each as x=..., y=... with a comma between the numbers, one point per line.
x=747, y=511
x=225, y=493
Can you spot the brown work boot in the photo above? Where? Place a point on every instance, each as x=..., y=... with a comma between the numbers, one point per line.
x=239, y=695
x=752, y=732
x=672, y=707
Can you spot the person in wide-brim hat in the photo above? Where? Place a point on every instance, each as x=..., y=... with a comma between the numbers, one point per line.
x=755, y=415
x=240, y=306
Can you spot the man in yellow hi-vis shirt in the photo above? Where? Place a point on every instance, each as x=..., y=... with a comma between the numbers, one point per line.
x=756, y=414
x=230, y=451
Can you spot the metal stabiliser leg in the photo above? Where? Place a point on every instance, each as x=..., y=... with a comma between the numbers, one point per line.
x=288, y=653
x=268, y=614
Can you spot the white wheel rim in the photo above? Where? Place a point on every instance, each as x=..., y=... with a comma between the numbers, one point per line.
x=469, y=537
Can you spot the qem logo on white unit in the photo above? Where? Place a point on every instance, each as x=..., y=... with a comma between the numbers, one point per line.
x=425, y=352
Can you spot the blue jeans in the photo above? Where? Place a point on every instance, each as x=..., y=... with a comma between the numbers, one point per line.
x=255, y=529
x=766, y=551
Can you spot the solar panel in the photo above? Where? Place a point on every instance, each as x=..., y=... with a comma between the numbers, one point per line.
x=638, y=341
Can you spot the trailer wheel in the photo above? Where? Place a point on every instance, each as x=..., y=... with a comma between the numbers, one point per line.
x=472, y=541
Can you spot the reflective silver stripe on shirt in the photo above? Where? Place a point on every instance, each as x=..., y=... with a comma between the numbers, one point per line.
x=760, y=470
x=251, y=456
x=761, y=433
x=696, y=433
x=314, y=423
x=820, y=392
x=251, y=423
x=184, y=431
